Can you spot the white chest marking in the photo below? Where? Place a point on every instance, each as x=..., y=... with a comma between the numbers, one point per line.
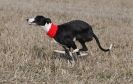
x=47, y=27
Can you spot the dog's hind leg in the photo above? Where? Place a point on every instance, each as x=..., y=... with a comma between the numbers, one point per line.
x=75, y=49
x=84, y=48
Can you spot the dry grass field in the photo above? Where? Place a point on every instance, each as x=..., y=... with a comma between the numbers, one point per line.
x=26, y=53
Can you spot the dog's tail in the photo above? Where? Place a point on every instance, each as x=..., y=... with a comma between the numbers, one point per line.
x=99, y=45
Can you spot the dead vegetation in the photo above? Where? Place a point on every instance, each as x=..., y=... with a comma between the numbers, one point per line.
x=26, y=52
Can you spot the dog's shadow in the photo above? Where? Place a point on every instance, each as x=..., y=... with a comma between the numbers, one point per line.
x=39, y=53
x=60, y=56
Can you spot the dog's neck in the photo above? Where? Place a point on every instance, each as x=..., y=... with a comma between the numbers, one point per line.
x=50, y=29
x=47, y=27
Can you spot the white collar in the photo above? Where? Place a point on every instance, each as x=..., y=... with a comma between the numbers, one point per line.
x=47, y=27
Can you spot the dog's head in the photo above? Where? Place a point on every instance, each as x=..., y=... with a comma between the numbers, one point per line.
x=39, y=20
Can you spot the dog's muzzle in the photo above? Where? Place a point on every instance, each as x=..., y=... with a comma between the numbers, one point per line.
x=30, y=20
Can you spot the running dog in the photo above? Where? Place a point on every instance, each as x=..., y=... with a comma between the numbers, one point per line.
x=66, y=34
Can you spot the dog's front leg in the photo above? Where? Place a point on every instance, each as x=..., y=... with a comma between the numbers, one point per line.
x=79, y=53
x=59, y=51
x=68, y=53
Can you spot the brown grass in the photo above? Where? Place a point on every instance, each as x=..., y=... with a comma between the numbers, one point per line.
x=26, y=53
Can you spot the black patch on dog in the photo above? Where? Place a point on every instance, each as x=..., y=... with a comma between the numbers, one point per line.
x=41, y=21
x=66, y=33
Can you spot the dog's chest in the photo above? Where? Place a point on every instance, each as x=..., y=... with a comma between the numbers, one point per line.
x=51, y=29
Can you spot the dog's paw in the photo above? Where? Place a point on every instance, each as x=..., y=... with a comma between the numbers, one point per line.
x=59, y=51
x=83, y=54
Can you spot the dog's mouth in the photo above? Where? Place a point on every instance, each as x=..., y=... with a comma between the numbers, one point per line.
x=31, y=21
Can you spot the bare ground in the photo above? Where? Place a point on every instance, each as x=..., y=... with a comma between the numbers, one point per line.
x=26, y=52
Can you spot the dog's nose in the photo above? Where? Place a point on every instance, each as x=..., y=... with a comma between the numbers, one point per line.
x=27, y=20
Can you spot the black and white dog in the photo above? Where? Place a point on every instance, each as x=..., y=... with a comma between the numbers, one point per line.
x=66, y=34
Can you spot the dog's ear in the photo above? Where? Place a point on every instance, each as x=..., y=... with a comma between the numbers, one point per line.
x=48, y=20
